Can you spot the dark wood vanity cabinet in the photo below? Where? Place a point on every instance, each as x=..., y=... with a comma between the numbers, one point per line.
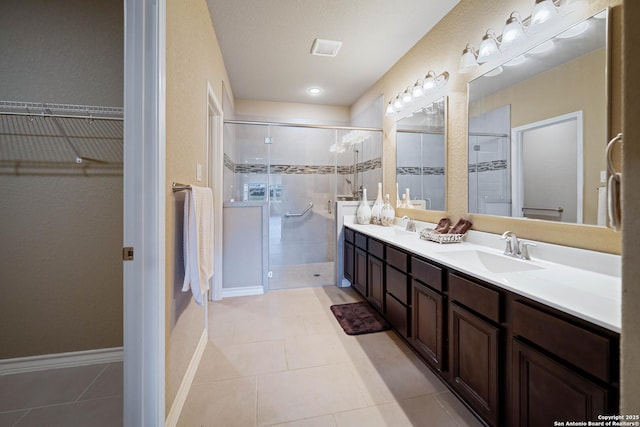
x=375, y=270
x=475, y=346
x=349, y=254
x=560, y=370
x=398, y=296
x=360, y=271
x=513, y=361
x=428, y=323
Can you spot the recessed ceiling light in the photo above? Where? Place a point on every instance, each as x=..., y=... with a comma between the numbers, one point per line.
x=323, y=47
x=314, y=90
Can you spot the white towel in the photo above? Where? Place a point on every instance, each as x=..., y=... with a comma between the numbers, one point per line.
x=198, y=241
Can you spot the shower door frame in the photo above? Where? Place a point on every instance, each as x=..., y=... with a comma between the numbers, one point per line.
x=266, y=285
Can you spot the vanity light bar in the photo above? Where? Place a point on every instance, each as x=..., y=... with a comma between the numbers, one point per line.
x=420, y=90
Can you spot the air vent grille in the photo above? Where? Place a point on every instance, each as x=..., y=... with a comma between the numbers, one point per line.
x=323, y=47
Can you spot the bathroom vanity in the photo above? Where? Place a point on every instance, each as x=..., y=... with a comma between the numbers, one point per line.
x=521, y=343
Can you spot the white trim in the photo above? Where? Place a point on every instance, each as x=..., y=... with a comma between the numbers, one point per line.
x=60, y=360
x=144, y=213
x=517, y=191
x=187, y=380
x=215, y=176
x=242, y=291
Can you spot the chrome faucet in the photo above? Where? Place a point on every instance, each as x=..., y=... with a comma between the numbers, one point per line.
x=411, y=226
x=515, y=247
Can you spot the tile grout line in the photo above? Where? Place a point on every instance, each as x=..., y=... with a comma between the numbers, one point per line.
x=92, y=382
x=21, y=418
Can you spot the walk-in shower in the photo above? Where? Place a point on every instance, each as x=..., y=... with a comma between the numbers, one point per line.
x=297, y=171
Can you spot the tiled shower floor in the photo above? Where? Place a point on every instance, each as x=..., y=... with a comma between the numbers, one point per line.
x=300, y=275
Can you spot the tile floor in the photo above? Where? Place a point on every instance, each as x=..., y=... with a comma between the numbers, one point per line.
x=281, y=359
x=278, y=359
x=79, y=396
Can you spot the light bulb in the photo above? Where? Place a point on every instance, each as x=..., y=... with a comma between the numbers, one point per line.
x=513, y=32
x=488, y=47
x=468, y=61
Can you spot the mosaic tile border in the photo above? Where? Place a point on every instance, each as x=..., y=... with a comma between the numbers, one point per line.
x=417, y=170
x=256, y=168
x=494, y=165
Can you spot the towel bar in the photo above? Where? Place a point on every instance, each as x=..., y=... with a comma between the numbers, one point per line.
x=180, y=187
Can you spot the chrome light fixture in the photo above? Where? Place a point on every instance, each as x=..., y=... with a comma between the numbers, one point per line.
x=421, y=88
x=488, y=47
x=544, y=12
x=417, y=90
x=406, y=96
x=397, y=104
x=429, y=81
x=468, y=61
x=513, y=32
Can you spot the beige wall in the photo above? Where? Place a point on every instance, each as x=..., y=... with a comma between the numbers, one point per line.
x=573, y=87
x=440, y=50
x=291, y=112
x=193, y=59
x=61, y=233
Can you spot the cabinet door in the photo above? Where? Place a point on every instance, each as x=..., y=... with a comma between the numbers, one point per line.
x=349, y=253
x=375, y=282
x=474, y=346
x=427, y=328
x=360, y=271
x=545, y=391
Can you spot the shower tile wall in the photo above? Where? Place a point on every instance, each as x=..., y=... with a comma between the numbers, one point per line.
x=301, y=166
x=420, y=167
x=489, y=160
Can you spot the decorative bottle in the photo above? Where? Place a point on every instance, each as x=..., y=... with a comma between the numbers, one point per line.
x=376, y=210
x=409, y=205
x=363, y=214
x=398, y=199
x=388, y=214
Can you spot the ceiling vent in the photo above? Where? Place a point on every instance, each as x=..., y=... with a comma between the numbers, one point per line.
x=322, y=47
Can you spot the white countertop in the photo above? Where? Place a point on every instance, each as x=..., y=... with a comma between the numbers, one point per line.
x=592, y=293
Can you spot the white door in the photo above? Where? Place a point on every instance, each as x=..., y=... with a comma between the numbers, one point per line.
x=548, y=172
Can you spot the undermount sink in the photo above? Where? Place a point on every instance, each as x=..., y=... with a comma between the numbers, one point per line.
x=491, y=262
x=396, y=231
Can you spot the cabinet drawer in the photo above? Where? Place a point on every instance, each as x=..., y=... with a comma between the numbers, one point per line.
x=397, y=284
x=376, y=248
x=398, y=315
x=578, y=346
x=478, y=298
x=361, y=241
x=349, y=235
x=397, y=258
x=426, y=273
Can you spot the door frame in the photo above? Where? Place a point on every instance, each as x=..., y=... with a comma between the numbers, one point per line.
x=517, y=133
x=214, y=179
x=144, y=212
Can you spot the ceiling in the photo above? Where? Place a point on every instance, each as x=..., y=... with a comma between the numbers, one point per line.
x=266, y=44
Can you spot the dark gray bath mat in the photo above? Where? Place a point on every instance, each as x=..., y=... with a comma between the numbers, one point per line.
x=359, y=318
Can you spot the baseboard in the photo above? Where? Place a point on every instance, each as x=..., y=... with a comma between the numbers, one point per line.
x=60, y=360
x=187, y=380
x=242, y=292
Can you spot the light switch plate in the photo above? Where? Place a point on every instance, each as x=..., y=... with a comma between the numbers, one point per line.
x=199, y=172
x=603, y=176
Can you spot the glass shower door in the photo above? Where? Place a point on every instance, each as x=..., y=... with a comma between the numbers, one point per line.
x=302, y=188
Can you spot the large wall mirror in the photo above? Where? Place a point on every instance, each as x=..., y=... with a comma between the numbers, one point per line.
x=538, y=130
x=421, y=154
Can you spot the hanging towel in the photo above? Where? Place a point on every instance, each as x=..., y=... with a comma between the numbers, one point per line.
x=198, y=241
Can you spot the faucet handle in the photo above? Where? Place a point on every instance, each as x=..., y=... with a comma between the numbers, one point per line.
x=524, y=249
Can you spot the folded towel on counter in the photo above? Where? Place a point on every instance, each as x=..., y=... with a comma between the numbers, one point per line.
x=461, y=226
x=443, y=226
x=198, y=241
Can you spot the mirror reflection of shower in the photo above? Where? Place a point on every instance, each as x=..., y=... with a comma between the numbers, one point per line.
x=355, y=189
